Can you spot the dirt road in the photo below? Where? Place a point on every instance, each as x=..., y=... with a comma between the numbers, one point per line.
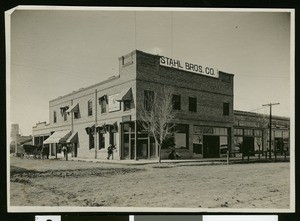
x=61, y=183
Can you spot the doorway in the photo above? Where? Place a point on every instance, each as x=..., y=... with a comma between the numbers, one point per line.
x=248, y=146
x=211, y=146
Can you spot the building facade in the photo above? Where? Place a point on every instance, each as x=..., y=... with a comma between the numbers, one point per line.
x=108, y=113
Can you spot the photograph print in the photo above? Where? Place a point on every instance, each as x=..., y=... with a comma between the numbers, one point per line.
x=150, y=109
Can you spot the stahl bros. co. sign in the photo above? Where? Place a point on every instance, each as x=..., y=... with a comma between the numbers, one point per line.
x=191, y=67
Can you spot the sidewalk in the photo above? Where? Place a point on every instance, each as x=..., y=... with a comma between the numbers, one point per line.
x=204, y=161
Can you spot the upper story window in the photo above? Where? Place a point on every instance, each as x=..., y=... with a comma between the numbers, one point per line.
x=193, y=104
x=148, y=99
x=103, y=107
x=65, y=116
x=54, y=117
x=225, y=108
x=90, y=108
x=127, y=105
x=176, y=100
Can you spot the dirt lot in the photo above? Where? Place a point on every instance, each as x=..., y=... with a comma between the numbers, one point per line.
x=61, y=183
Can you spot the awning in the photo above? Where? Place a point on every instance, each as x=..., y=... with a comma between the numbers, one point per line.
x=90, y=130
x=101, y=129
x=58, y=137
x=125, y=95
x=103, y=98
x=74, y=108
x=73, y=138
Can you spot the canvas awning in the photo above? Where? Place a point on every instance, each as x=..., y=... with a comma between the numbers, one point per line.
x=90, y=130
x=73, y=138
x=74, y=108
x=125, y=95
x=103, y=98
x=101, y=129
x=58, y=137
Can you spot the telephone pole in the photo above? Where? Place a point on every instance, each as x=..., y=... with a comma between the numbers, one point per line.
x=270, y=129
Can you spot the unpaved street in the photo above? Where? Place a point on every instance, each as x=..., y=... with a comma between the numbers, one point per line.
x=61, y=183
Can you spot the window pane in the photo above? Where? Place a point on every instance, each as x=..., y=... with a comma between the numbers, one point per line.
x=54, y=117
x=225, y=108
x=193, y=104
x=103, y=107
x=127, y=105
x=176, y=100
x=90, y=108
x=148, y=99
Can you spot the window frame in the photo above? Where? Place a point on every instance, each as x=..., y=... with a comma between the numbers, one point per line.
x=90, y=108
x=226, y=109
x=176, y=103
x=193, y=106
x=127, y=105
x=148, y=96
x=54, y=117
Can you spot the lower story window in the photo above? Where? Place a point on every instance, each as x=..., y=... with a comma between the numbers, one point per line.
x=91, y=141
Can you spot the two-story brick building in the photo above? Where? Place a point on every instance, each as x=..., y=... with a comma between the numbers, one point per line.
x=107, y=112
x=92, y=118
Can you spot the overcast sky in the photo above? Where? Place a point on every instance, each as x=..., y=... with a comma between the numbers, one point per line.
x=54, y=52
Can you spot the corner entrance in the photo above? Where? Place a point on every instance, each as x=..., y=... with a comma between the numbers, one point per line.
x=211, y=146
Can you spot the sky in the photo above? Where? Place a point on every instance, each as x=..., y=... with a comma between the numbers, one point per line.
x=54, y=52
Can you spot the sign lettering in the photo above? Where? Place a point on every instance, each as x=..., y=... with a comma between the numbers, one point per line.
x=190, y=67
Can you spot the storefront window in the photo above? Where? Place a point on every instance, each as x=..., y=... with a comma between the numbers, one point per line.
x=197, y=143
x=181, y=136
x=238, y=142
x=223, y=144
x=258, y=144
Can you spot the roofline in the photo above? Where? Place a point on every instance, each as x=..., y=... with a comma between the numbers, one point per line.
x=89, y=87
x=248, y=113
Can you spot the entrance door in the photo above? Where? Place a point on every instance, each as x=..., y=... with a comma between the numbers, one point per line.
x=279, y=145
x=211, y=146
x=248, y=146
x=142, y=151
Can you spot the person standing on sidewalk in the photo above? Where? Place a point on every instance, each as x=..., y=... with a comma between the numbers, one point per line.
x=110, y=151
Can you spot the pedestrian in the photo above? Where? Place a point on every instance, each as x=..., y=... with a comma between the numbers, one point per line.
x=110, y=151
x=64, y=149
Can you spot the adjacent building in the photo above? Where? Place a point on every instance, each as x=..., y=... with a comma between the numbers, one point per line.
x=108, y=113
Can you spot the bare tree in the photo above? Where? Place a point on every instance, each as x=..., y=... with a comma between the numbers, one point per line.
x=157, y=116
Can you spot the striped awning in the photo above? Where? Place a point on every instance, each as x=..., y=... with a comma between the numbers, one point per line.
x=73, y=138
x=58, y=137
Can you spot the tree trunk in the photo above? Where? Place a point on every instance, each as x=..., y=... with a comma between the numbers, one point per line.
x=159, y=152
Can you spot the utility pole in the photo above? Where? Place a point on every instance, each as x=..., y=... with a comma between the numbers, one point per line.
x=95, y=129
x=270, y=129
